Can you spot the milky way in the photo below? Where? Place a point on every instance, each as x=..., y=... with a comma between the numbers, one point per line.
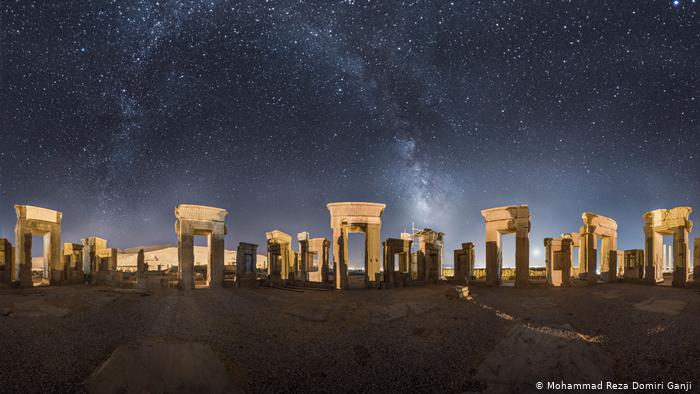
x=115, y=111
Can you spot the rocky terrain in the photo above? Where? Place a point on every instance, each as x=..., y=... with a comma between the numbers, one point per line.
x=86, y=338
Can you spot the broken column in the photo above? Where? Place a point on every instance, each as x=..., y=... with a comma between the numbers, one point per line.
x=280, y=255
x=314, y=258
x=99, y=260
x=6, y=261
x=246, y=265
x=73, y=262
x=429, y=256
x=558, y=261
x=464, y=263
x=141, y=269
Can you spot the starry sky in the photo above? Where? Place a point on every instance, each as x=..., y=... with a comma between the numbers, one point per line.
x=113, y=112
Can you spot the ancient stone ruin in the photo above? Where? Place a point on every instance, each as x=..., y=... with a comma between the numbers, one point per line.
x=44, y=222
x=6, y=261
x=73, y=263
x=512, y=219
x=429, y=256
x=280, y=256
x=99, y=260
x=314, y=257
x=633, y=265
x=246, y=265
x=464, y=263
x=658, y=223
x=558, y=253
x=199, y=220
x=398, y=262
x=354, y=217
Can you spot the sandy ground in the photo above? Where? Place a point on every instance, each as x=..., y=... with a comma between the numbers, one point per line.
x=270, y=340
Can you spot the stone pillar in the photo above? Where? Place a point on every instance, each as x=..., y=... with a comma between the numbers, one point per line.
x=696, y=259
x=464, y=263
x=493, y=256
x=185, y=255
x=246, y=265
x=217, y=252
x=548, y=259
x=6, y=260
x=522, y=256
x=653, y=256
x=680, y=258
x=373, y=251
x=565, y=261
x=589, y=250
x=340, y=256
x=141, y=270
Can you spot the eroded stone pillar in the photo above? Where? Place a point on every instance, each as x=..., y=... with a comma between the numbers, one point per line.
x=464, y=263
x=589, y=250
x=38, y=221
x=6, y=261
x=246, y=265
x=681, y=266
x=696, y=259
x=493, y=256
x=522, y=256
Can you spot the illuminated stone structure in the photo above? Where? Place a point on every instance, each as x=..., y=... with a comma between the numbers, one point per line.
x=558, y=261
x=246, y=265
x=353, y=217
x=194, y=220
x=314, y=258
x=99, y=261
x=73, y=263
x=597, y=227
x=6, y=261
x=464, y=263
x=429, y=256
x=660, y=222
x=633, y=264
x=280, y=256
x=507, y=220
x=397, y=262
x=33, y=221
x=696, y=260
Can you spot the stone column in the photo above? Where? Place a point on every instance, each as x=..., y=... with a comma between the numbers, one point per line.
x=373, y=252
x=141, y=270
x=566, y=261
x=215, y=271
x=23, y=256
x=522, y=256
x=680, y=258
x=696, y=259
x=652, y=255
x=548, y=259
x=493, y=256
x=589, y=249
x=185, y=247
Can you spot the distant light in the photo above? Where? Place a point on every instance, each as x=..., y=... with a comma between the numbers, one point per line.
x=535, y=252
x=676, y=3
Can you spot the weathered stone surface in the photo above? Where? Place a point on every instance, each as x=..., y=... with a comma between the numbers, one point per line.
x=464, y=263
x=507, y=220
x=594, y=227
x=457, y=292
x=353, y=217
x=246, y=265
x=660, y=222
x=280, y=255
x=157, y=365
x=666, y=307
x=314, y=255
x=37, y=221
x=200, y=220
x=398, y=262
x=429, y=256
x=539, y=354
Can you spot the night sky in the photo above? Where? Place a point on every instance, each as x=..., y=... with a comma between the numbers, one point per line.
x=113, y=112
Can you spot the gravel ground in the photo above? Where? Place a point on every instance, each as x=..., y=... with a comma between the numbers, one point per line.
x=273, y=340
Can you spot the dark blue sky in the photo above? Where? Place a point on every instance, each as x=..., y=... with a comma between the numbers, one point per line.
x=114, y=112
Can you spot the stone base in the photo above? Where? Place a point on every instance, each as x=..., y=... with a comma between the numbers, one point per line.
x=457, y=292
